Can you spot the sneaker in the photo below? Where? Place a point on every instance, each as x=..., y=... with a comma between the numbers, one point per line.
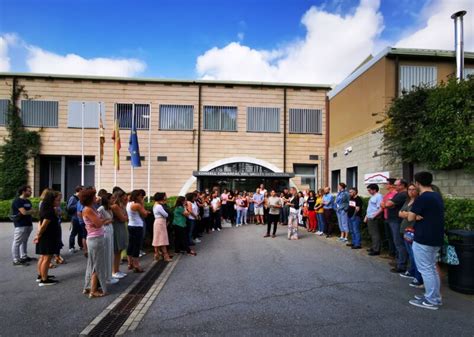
x=197, y=240
x=345, y=240
x=28, y=259
x=21, y=263
x=142, y=253
x=406, y=275
x=72, y=250
x=416, y=284
x=213, y=230
x=50, y=277
x=112, y=280
x=48, y=282
x=423, y=304
x=218, y=229
x=340, y=239
x=119, y=275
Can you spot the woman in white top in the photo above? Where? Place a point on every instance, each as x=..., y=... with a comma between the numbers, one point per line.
x=160, y=231
x=216, y=212
x=135, y=211
x=106, y=213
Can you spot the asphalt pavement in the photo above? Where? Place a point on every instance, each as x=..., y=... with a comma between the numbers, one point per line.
x=240, y=284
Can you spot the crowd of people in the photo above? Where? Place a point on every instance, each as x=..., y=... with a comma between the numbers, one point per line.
x=109, y=225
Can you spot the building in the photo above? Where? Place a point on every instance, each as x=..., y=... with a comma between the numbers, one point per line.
x=192, y=134
x=356, y=105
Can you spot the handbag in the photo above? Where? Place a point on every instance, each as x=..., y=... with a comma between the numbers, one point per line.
x=409, y=234
x=451, y=257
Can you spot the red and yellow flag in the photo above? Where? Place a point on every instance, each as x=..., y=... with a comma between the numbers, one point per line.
x=102, y=140
x=117, y=145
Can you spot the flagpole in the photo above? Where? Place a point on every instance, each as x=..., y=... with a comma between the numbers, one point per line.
x=131, y=159
x=149, y=153
x=115, y=150
x=98, y=121
x=82, y=144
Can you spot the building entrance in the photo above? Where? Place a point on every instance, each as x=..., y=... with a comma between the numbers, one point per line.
x=243, y=177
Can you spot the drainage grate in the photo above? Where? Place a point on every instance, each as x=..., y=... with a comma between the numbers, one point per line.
x=114, y=320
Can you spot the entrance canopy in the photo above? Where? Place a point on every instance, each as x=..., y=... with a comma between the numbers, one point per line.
x=242, y=176
x=242, y=170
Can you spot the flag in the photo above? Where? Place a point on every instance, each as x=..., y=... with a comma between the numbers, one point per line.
x=133, y=147
x=101, y=140
x=117, y=145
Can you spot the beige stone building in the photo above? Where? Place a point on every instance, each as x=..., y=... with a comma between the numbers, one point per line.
x=192, y=134
x=357, y=103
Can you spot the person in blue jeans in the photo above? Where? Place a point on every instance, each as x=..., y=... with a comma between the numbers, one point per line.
x=428, y=213
x=342, y=206
x=406, y=225
x=355, y=209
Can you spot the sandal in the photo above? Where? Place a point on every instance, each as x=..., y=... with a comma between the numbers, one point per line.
x=52, y=266
x=86, y=291
x=60, y=260
x=192, y=253
x=138, y=270
x=96, y=294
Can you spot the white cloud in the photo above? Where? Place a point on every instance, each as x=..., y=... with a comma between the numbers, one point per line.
x=38, y=60
x=333, y=46
x=42, y=61
x=437, y=29
x=6, y=41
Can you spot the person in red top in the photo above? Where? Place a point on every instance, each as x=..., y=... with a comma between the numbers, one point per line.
x=391, y=191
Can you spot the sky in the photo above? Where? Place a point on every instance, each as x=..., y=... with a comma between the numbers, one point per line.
x=298, y=41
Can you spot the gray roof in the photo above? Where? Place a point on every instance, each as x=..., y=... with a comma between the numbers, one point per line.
x=395, y=51
x=168, y=81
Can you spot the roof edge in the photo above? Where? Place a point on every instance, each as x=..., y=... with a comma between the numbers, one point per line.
x=394, y=51
x=166, y=81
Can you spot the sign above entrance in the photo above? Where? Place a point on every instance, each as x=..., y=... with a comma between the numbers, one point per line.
x=376, y=178
x=243, y=174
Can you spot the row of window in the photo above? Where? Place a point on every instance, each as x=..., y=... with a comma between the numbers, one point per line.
x=415, y=76
x=172, y=117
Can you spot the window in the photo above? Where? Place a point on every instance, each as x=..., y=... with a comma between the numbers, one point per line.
x=220, y=118
x=91, y=114
x=468, y=72
x=124, y=112
x=308, y=174
x=305, y=121
x=3, y=111
x=40, y=113
x=351, y=174
x=263, y=119
x=176, y=117
x=335, y=179
x=414, y=76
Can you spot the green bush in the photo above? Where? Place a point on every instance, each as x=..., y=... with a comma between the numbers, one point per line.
x=5, y=208
x=459, y=212
x=433, y=126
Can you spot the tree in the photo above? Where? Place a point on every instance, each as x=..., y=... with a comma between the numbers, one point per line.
x=19, y=146
x=433, y=126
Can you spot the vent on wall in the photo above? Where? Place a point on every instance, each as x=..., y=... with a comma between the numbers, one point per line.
x=162, y=158
x=313, y=157
x=141, y=158
x=334, y=155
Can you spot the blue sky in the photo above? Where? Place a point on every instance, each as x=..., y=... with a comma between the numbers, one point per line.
x=168, y=37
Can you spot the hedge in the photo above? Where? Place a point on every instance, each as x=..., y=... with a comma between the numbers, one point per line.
x=459, y=212
x=5, y=208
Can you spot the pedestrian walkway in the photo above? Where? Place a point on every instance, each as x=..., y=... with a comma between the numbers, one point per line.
x=242, y=284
